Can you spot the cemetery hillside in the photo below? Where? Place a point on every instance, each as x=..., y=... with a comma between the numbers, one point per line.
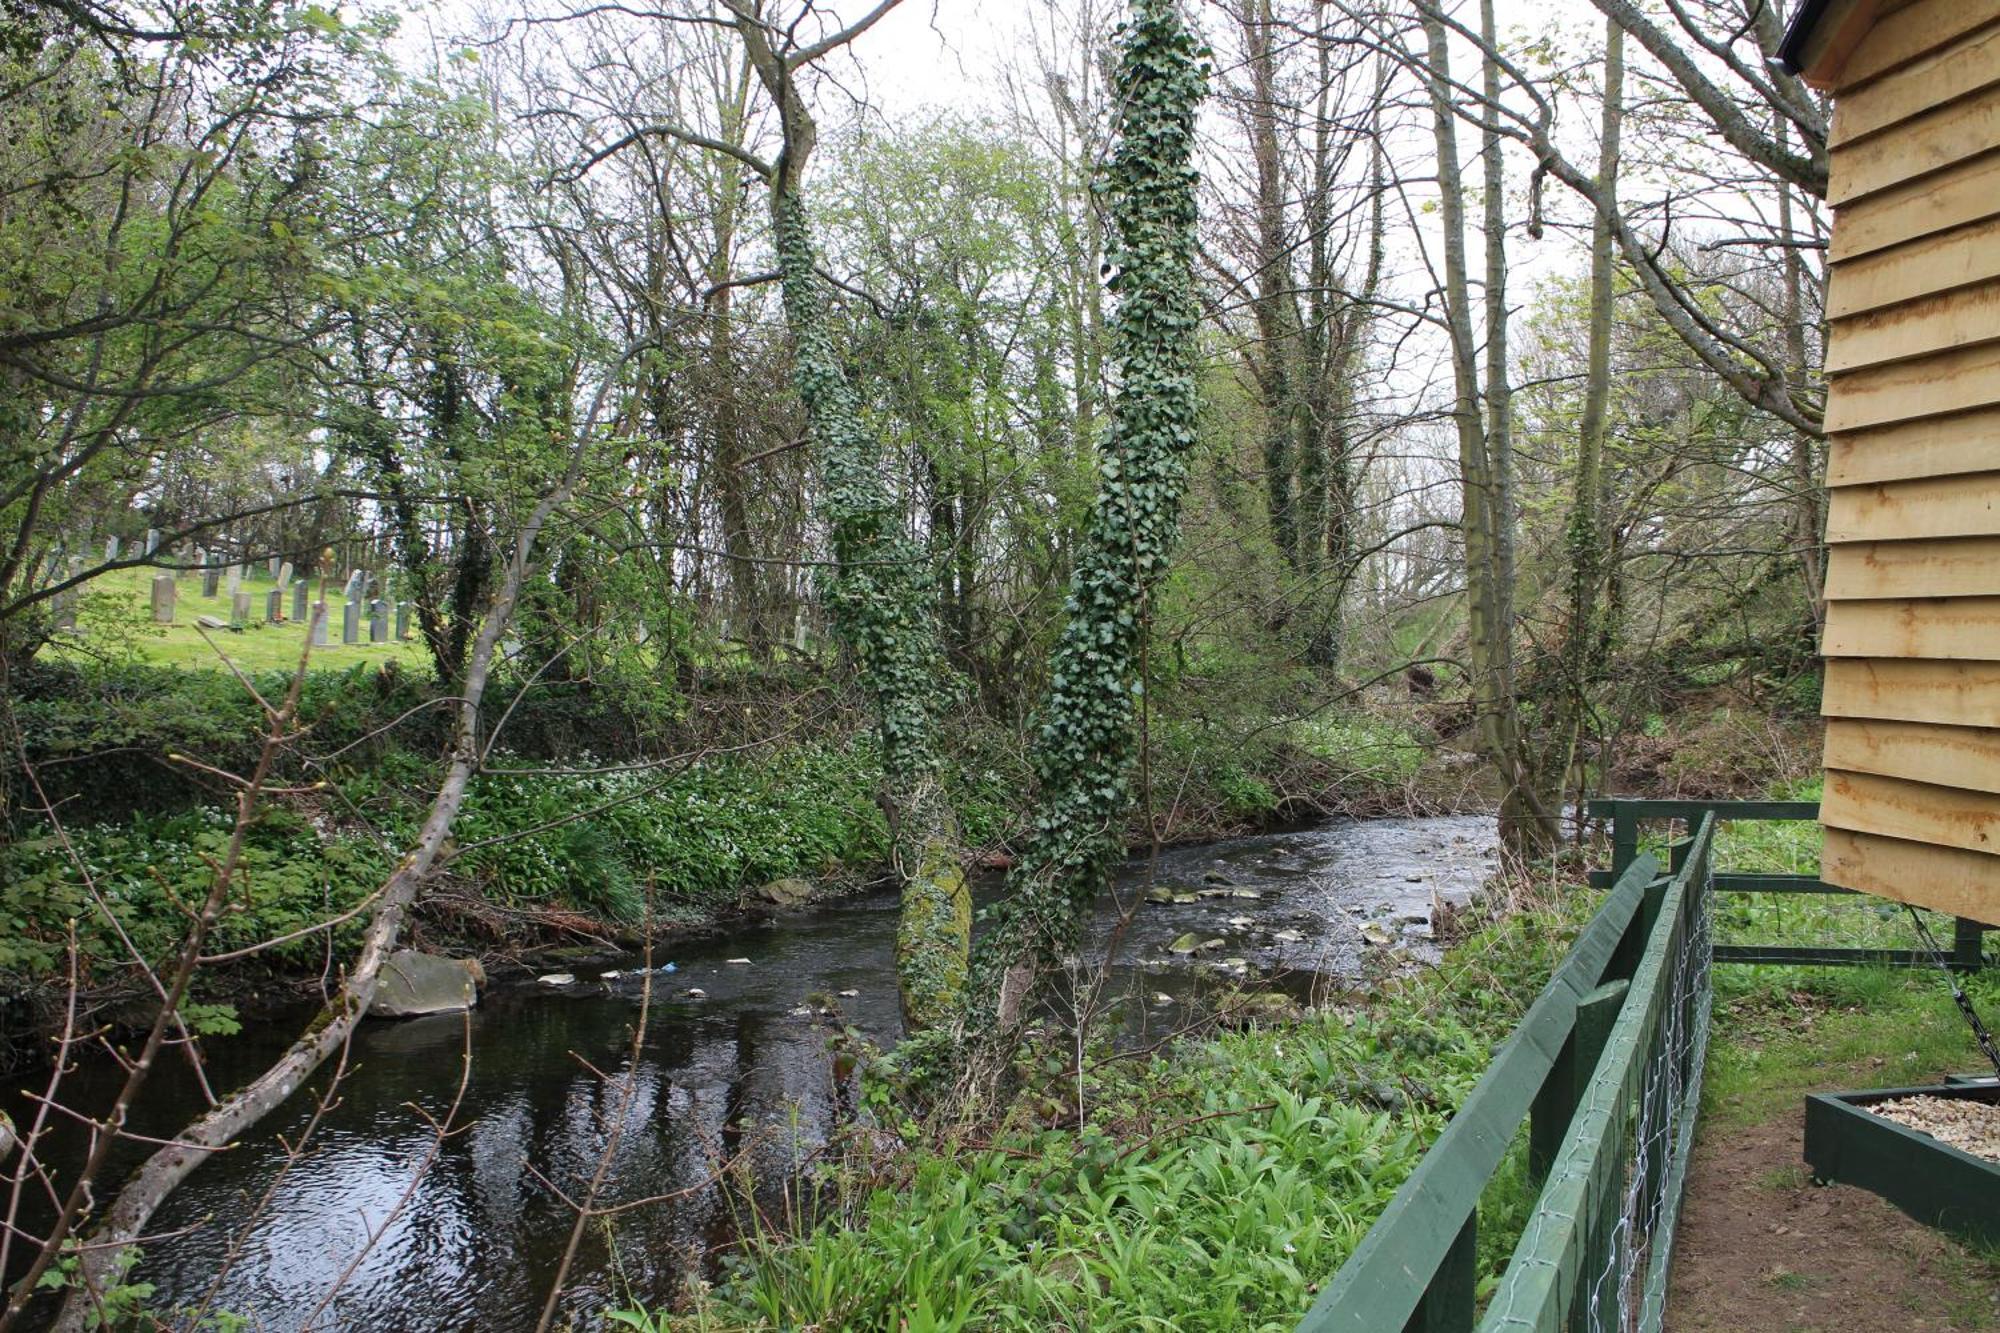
x=1081, y=664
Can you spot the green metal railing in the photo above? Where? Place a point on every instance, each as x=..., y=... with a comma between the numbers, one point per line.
x=1608, y=1098
x=1627, y=815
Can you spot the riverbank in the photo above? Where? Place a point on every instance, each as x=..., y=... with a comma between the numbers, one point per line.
x=1207, y=1185
x=601, y=829
x=1215, y=1184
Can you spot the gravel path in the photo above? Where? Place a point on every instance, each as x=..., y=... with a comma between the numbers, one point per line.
x=1967, y=1125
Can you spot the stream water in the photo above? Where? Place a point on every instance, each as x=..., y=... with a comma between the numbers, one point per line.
x=461, y=1234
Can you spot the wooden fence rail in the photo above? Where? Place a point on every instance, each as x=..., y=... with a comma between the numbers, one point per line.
x=1627, y=815
x=1416, y=1270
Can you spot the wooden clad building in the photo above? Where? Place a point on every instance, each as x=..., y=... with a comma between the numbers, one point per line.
x=1912, y=642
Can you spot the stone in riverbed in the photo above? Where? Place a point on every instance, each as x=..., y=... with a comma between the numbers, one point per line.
x=788, y=892
x=420, y=983
x=1160, y=895
x=1377, y=934
x=1185, y=944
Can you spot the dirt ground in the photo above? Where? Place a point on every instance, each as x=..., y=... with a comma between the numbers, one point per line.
x=1761, y=1249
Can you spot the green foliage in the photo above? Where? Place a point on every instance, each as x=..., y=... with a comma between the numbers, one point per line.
x=151, y=872
x=598, y=842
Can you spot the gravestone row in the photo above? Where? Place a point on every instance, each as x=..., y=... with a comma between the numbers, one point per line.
x=359, y=600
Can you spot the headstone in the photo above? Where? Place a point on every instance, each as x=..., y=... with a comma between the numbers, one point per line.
x=65, y=608
x=352, y=590
x=285, y=574
x=319, y=623
x=378, y=621
x=272, y=565
x=299, y=594
x=210, y=580
x=152, y=540
x=239, y=608
x=350, y=623
x=110, y=549
x=163, y=599
x=274, y=606
x=211, y=622
x=235, y=579
x=402, y=621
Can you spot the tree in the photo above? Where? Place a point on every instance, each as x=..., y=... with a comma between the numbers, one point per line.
x=156, y=262
x=1087, y=739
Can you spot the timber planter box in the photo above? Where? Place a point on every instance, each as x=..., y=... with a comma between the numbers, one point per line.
x=1935, y=1183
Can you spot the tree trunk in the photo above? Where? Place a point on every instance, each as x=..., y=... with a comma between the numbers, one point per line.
x=1485, y=456
x=1589, y=639
x=880, y=599
x=1087, y=740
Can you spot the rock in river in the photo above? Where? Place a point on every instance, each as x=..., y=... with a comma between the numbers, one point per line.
x=421, y=983
x=789, y=892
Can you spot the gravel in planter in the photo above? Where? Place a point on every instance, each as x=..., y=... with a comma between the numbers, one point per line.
x=1969, y=1126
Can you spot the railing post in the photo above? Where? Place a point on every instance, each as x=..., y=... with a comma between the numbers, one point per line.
x=1555, y=1105
x=1449, y=1302
x=1624, y=838
x=1965, y=945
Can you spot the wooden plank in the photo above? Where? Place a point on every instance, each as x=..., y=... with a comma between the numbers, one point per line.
x=1964, y=694
x=1794, y=955
x=1958, y=628
x=1937, y=202
x=1956, y=69
x=1911, y=33
x=1964, y=757
x=1940, y=567
x=1944, y=879
x=1929, y=447
x=1737, y=881
x=1905, y=390
x=1959, y=318
x=1607, y=807
x=1922, y=267
x=1923, y=507
x=1914, y=811
x=1948, y=134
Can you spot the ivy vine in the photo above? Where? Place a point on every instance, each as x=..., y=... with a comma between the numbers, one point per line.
x=1087, y=736
x=879, y=599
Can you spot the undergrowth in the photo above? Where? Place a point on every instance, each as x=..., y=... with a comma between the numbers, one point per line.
x=1212, y=1188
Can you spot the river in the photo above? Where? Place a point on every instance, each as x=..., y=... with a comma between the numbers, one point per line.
x=460, y=1234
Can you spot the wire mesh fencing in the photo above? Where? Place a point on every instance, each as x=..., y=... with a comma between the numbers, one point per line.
x=1596, y=1252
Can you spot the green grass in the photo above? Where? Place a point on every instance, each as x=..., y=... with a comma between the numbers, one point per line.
x=114, y=618
x=1783, y=1032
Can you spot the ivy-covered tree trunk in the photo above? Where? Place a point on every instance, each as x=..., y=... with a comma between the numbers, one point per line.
x=1086, y=744
x=881, y=604
x=880, y=595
